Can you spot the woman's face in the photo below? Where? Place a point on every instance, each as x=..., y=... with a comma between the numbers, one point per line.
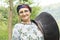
x=24, y=13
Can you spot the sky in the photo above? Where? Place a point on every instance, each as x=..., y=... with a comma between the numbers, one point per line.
x=3, y=4
x=40, y=2
x=46, y=2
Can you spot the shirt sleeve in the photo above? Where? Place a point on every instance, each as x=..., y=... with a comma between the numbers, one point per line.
x=15, y=34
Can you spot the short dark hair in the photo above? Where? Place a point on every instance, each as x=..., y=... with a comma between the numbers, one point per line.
x=23, y=6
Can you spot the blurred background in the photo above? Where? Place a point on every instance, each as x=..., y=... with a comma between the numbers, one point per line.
x=9, y=16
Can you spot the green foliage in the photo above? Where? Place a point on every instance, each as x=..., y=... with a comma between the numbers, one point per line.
x=35, y=11
x=3, y=31
x=3, y=23
x=25, y=1
x=15, y=15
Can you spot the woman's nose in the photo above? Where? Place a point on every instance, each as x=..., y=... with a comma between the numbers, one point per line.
x=24, y=13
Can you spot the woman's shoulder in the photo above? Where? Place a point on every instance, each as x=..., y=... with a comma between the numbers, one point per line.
x=17, y=25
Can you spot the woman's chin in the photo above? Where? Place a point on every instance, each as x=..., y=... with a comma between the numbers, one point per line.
x=24, y=19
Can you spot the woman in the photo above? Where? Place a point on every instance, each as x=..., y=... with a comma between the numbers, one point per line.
x=26, y=30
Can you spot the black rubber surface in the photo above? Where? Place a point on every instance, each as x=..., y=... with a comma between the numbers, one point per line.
x=49, y=26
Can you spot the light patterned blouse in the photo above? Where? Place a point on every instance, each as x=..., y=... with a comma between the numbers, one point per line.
x=26, y=32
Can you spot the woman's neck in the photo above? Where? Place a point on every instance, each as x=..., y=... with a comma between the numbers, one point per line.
x=27, y=22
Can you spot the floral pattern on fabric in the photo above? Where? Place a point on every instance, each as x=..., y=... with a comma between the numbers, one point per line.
x=26, y=32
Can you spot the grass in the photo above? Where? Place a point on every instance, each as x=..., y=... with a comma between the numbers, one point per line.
x=3, y=35
x=3, y=32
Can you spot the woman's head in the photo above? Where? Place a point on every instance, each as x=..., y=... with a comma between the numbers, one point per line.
x=23, y=6
x=24, y=11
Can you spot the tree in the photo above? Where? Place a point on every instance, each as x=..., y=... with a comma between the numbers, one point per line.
x=10, y=20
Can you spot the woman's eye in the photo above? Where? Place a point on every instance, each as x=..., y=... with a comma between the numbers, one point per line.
x=21, y=12
x=26, y=10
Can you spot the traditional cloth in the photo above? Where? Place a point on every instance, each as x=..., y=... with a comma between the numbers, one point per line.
x=26, y=32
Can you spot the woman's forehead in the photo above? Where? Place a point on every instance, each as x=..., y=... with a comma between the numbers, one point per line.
x=23, y=9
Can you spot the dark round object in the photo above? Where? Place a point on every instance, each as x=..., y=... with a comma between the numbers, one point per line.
x=48, y=25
